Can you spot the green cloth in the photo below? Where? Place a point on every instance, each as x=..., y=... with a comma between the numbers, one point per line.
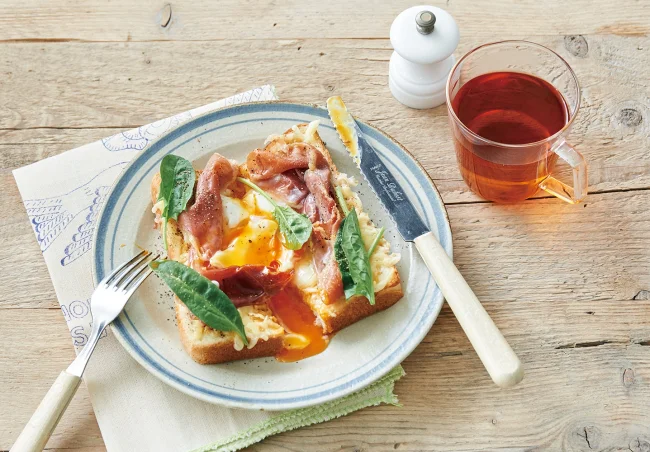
x=379, y=392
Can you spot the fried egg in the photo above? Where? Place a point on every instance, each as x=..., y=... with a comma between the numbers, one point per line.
x=251, y=234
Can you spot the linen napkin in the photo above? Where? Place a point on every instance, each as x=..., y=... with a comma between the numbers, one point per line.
x=135, y=411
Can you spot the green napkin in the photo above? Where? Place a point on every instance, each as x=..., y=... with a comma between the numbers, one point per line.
x=380, y=391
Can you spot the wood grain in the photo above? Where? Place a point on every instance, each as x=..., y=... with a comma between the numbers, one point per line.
x=37, y=345
x=74, y=88
x=569, y=286
x=583, y=339
x=201, y=20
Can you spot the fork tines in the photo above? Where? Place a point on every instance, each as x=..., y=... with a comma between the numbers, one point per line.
x=128, y=276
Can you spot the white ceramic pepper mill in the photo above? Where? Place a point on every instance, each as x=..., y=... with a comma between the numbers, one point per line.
x=424, y=39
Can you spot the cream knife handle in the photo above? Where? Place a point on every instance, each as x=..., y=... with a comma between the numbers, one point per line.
x=39, y=428
x=492, y=348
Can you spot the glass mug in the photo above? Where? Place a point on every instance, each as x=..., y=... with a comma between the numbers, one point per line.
x=511, y=105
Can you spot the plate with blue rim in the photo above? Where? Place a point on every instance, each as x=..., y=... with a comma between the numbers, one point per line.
x=356, y=356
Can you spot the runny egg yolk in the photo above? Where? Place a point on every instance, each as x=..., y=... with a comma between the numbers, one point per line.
x=306, y=338
x=252, y=237
x=256, y=244
x=250, y=233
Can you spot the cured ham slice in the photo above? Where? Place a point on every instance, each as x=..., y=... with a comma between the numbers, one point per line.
x=274, y=169
x=204, y=218
x=310, y=208
x=280, y=159
x=329, y=275
x=248, y=284
x=318, y=183
x=288, y=186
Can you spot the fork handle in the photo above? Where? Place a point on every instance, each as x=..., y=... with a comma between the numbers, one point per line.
x=42, y=423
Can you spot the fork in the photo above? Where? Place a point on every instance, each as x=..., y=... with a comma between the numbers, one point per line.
x=106, y=303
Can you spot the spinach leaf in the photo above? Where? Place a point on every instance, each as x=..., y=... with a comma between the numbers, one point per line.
x=177, y=179
x=201, y=296
x=355, y=267
x=339, y=255
x=375, y=242
x=341, y=200
x=295, y=227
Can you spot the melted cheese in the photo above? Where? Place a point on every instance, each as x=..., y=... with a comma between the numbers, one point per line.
x=258, y=326
x=158, y=207
x=382, y=261
x=296, y=136
x=309, y=136
x=157, y=211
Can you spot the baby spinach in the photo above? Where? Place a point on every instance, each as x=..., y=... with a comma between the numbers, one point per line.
x=375, y=242
x=177, y=179
x=295, y=227
x=342, y=260
x=341, y=200
x=201, y=296
x=353, y=260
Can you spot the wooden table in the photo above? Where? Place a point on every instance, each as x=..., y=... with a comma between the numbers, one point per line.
x=569, y=286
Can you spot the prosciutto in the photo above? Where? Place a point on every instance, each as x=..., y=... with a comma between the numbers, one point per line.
x=204, y=218
x=327, y=268
x=248, y=284
x=288, y=186
x=278, y=157
x=274, y=168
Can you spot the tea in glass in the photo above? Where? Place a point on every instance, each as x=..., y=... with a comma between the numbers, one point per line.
x=509, y=125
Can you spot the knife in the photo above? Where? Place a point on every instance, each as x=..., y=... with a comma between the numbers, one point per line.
x=492, y=348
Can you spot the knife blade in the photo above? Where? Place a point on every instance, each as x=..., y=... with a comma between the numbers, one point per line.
x=497, y=356
x=381, y=180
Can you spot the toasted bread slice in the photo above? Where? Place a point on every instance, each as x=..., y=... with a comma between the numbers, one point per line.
x=388, y=289
x=203, y=344
x=207, y=346
x=264, y=332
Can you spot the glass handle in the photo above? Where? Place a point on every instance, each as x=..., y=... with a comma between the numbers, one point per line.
x=577, y=193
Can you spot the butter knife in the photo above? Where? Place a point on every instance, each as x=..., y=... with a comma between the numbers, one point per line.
x=500, y=361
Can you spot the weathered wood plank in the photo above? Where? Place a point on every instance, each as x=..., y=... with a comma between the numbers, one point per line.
x=73, y=88
x=36, y=347
x=123, y=20
x=446, y=388
x=568, y=285
x=535, y=251
x=20, y=147
x=575, y=326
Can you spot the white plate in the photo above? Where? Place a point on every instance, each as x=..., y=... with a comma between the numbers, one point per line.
x=356, y=356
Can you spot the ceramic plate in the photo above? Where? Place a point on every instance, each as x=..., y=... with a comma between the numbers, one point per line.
x=356, y=356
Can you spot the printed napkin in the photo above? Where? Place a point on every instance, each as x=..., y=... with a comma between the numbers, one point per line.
x=135, y=411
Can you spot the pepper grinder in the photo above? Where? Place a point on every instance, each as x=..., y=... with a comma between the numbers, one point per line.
x=424, y=39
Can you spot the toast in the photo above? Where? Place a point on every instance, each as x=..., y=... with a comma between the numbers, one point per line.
x=388, y=290
x=265, y=332
x=205, y=345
